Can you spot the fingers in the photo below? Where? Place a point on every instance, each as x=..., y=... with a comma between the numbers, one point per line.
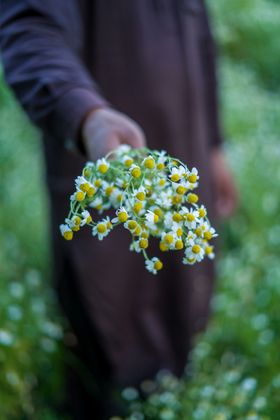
x=105, y=129
x=134, y=136
x=227, y=198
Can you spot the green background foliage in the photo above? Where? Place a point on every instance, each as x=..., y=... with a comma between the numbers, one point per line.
x=235, y=365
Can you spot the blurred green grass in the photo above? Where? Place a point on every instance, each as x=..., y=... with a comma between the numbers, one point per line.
x=235, y=369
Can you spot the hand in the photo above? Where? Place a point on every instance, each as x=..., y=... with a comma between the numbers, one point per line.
x=226, y=197
x=105, y=129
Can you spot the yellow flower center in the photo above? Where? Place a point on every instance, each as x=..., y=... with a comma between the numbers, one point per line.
x=85, y=186
x=161, y=182
x=177, y=217
x=208, y=250
x=208, y=235
x=196, y=249
x=181, y=190
x=109, y=190
x=77, y=220
x=179, y=232
x=156, y=218
x=149, y=163
x=122, y=216
x=179, y=244
x=136, y=172
x=119, y=197
x=128, y=162
x=87, y=172
x=68, y=235
x=198, y=231
x=143, y=243
x=168, y=238
x=141, y=195
x=132, y=224
x=98, y=183
x=175, y=177
x=158, y=265
x=192, y=198
x=202, y=212
x=137, y=231
x=90, y=192
x=101, y=228
x=190, y=217
x=89, y=220
x=192, y=178
x=158, y=212
x=145, y=235
x=160, y=166
x=103, y=168
x=137, y=207
x=80, y=195
x=163, y=247
x=176, y=199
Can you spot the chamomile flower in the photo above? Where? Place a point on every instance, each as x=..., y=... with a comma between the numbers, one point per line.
x=122, y=216
x=140, y=193
x=127, y=160
x=191, y=218
x=153, y=265
x=86, y=218
x=135, y=171
x=193, y=176
x=195, y=252
x=131, y=225
x=108, y=188
x=102, y=165
x=82, y=183
x=151, y=217
x=149, y=162
x=102, y=228
x=66, y=232
x=202, y=211
x=177, y=173
x=209, y=251
x=79, y=196
x=139, y=245
x=209, y=233
x=74, y=223
x=168, y=238
x=161, y=160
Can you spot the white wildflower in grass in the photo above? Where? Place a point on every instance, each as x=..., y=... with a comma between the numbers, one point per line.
x=152, y=196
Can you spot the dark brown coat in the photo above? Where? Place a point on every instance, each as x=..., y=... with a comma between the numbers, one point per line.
x=154, y=61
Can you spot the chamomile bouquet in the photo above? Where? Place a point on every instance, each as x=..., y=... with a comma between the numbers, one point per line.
x=152, y=195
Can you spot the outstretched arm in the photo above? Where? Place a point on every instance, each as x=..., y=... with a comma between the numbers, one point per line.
x=41, y=42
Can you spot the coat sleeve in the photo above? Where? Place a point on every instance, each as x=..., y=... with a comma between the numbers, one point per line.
x=209, y=60
x=40, y=43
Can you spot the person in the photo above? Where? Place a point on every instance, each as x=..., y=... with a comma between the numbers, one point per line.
x=93, y=75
